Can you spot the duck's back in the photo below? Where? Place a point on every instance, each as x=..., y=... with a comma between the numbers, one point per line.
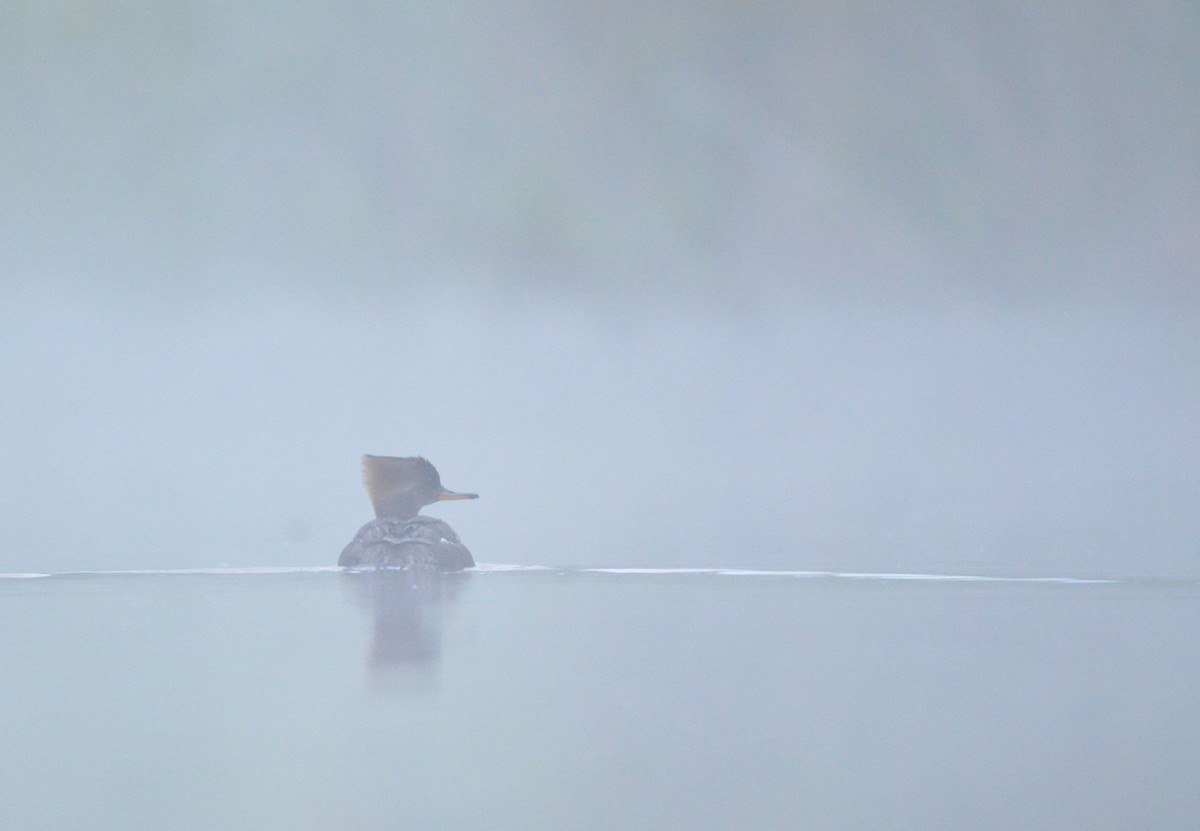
x=398, y=543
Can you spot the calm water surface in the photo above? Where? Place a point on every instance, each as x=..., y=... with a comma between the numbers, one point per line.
x=573, y=699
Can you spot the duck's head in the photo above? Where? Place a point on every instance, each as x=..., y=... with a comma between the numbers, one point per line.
x=400, y=486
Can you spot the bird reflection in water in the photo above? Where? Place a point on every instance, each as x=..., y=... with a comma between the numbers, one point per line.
x=408, y=606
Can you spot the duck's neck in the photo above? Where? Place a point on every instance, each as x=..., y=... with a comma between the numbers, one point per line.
x=395, y=505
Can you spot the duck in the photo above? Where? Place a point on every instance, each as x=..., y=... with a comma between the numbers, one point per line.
x=400, y=537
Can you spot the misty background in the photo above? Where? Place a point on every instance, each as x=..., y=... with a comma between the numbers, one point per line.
x=807, y=286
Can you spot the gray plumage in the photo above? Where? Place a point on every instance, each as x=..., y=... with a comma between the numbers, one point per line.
x=421, y=541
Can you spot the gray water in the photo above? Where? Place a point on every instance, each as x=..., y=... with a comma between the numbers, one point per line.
x=568, y=698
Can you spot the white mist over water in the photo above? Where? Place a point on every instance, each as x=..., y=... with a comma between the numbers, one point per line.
x=813, y=436
x=768, y=288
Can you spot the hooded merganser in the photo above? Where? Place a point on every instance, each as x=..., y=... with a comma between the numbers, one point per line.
x=398, y=537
